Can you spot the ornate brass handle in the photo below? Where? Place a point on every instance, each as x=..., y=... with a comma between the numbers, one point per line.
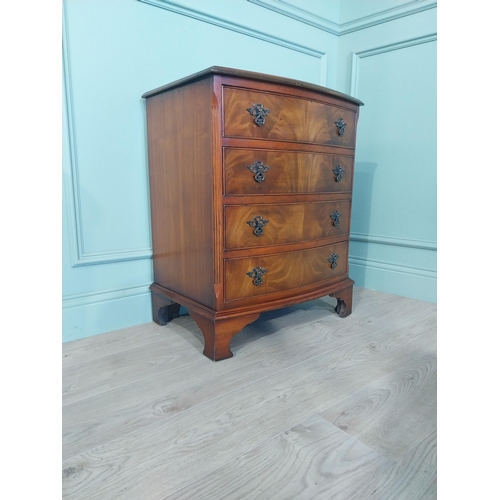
x=258, y=169
x=333, y=260
x=336, y=218
x=337, y=172
x=258, y=224
x=256, y=274
x=259, y=112
x=341, y=125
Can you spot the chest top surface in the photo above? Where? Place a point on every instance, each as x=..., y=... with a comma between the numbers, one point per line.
x=251, y=75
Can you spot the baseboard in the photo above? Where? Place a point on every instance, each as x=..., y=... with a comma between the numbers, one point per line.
x=399, y=281
x=93, y=314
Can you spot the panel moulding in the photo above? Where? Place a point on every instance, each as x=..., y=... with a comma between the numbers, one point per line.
x=71, y=184
x=300, y=15
x=339, y=29
x=387, y=266
x=230, y=25
x=385, y=240
x=398, y=242
x=357, y=56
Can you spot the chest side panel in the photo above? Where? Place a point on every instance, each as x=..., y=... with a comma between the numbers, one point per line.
x=180, y=162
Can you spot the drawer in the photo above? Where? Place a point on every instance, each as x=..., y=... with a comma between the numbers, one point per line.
x=264, y=274
x=254, y=171
x=289, y=119
x=276, y=224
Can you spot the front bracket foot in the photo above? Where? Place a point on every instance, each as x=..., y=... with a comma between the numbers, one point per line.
x=219, y=332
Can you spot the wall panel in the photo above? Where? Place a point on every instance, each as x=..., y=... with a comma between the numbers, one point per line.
x=394, y=225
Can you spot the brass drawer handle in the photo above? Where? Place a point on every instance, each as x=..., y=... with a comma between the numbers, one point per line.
x=256, y=274
x=338, y=171
x=341, y=125
x=259, y=112
x=258, y=224
x=333, y=260
x=258, y=169
x=336, y=218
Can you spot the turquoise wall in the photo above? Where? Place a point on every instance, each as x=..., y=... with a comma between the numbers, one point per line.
x=113, y=51
x=391, y=67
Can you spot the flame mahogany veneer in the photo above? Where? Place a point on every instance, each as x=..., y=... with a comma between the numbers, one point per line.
x=250, y=180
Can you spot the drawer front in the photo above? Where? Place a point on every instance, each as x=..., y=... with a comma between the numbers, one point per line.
x=275, y=224
x=250, y=277
x=289, y=119
x=254, y=171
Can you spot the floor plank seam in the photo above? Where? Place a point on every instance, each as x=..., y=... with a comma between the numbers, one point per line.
x=138, y=379
x=399, y=460
x=73, y=365
x=374, y=381
x=167, y=419
x=373, y=481
x=241, y=387
x=270, y=438
x=246, y=452
x=358, y=415
x=259, y=340
x=353, y=437
x=225, y=394
x=148, y=325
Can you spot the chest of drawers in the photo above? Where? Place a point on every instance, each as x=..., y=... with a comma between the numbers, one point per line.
x=250, y=183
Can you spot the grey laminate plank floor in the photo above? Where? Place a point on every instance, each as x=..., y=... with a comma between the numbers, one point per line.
x=310, y=406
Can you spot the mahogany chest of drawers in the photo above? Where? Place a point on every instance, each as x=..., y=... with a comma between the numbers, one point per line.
x=250, y=182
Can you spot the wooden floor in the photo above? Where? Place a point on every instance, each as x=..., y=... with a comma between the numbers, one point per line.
x=311, y=406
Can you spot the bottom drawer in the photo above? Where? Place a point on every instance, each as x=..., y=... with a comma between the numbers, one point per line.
x=248, y=277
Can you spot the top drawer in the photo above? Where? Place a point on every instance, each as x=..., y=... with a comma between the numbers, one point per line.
x=285, y=118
